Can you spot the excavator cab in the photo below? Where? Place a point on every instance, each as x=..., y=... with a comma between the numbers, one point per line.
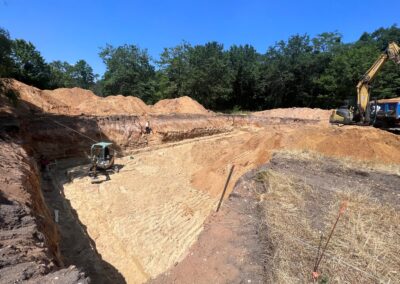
x=102, y=158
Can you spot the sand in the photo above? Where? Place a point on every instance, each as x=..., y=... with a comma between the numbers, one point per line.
x=179, y=105
x=299, y=113
x=146, y=217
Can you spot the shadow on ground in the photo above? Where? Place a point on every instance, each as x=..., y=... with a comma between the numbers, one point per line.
x=77, y=247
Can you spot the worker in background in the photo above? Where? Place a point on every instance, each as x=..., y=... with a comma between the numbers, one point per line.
x=148, y=129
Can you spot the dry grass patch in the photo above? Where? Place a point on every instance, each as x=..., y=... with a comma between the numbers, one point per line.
x=375, y=165
x=365, y=246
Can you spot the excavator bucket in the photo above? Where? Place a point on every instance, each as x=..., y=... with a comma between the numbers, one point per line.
x=341, y=116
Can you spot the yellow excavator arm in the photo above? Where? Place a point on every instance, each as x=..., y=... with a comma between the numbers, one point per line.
x=393, y=53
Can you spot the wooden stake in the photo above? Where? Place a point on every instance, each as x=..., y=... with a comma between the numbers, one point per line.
x=225, y=187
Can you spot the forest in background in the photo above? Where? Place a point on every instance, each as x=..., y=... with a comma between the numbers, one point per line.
x=302, y=71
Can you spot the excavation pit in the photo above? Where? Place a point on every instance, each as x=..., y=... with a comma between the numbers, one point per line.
x=143, y=221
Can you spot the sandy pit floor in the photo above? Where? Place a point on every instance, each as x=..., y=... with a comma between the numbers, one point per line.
x=144, y=220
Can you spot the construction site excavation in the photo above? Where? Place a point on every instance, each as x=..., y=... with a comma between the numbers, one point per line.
x=111, y=190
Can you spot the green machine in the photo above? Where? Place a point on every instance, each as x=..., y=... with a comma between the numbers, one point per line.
x=102, y=156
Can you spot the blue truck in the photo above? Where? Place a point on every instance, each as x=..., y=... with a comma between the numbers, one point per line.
x=388, y=114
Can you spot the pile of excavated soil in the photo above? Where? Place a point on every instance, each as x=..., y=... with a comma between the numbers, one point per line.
x=298, y=113
x=77, y=101
x=80, y=101
x=142, y=233
x=29, y=99
x=179, y=105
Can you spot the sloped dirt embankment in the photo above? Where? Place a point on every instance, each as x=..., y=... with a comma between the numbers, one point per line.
x=28, y=237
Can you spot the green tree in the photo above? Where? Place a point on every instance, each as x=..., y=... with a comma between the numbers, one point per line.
x=247, y=83
x=174, y=71
x=210, y=78
x=326, y=42
x=293, y=69
x=287, y=72
x=383, y=36
x=6, y=63
x=29, y=65
x=387, y=82
x=351, y=61
x=82, y=75
x=128, y=72
x=64, y=74
x=60, y=74
x=6, y=66
x=340, y=78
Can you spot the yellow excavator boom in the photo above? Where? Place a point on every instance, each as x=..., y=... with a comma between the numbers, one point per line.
x=362, y=113
x=363, y=95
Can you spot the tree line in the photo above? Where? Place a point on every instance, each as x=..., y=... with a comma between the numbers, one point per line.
x=302, y=71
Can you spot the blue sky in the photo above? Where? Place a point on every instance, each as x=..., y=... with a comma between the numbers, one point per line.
x=71, y=30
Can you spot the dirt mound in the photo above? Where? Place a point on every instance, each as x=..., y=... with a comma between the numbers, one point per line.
x=71, y=97
x=30, y=98
x=391, y=100
x=77, y=101
x=180, y=105
x=299, y=113
x=6, y=108
x=128, y=104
